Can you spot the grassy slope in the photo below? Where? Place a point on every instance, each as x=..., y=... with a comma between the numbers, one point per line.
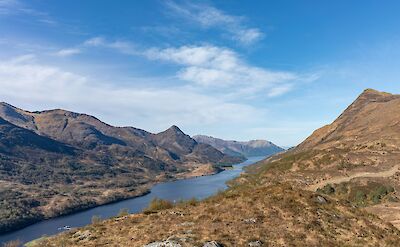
x=277, y=215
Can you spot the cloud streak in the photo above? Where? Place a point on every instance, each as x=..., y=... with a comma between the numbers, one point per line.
x=15, y=7
x=67, y=52
x=210, y=17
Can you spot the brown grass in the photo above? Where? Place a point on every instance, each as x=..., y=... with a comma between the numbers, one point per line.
x=278, y=215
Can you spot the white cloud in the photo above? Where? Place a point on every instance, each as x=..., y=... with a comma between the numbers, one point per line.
x=249, y=36
x=280, y=90
x=210, y=66
x=38, y=86
x=210, y=17
x=121, y=46
x=67, y=52
x=215, y=67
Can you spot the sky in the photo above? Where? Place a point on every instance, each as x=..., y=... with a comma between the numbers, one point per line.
x=240, y=70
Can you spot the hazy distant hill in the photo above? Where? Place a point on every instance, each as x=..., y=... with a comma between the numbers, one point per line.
x=236, y=148
x=54, y=162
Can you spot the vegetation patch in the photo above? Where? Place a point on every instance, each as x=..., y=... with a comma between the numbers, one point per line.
x=359, y=194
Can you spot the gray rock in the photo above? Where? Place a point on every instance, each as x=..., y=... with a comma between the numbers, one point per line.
x=321, y=200
x=187, y=224
x=250, y=221
x=256, y=243
x=212, y=244
x=167, y=243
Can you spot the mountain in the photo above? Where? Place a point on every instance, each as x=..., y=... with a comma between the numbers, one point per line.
x=235, y=148
x=339, y=187
x=355, y=158
x=56, y=161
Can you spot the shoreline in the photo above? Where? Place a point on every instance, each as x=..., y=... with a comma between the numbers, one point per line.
x=147, y=191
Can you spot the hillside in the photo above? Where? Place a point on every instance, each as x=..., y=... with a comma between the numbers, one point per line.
x=56, y=162
x=236, y=148
x=356, y=158
x=337, y=188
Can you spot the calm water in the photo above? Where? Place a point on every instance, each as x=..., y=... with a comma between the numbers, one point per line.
x=200, y=187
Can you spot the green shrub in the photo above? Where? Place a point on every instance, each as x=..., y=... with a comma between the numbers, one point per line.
x=328, y=189
x=360, y=197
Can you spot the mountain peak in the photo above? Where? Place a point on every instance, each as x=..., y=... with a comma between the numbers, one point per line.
x=175, y=129
x=369, y=92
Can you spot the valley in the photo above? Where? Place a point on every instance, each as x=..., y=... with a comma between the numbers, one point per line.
x=337, y=188
x=57, y=162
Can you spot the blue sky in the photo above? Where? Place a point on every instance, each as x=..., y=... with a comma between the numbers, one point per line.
x=241, y=70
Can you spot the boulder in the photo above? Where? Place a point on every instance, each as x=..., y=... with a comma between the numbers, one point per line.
x=166, y=243
x=212, y=244
x=256, y=243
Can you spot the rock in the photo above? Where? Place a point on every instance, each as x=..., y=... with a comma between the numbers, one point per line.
x=321, y=200
x=187, y=224
x=212, y=244
x=167, y=243
x=256, y=243
x=250, y=221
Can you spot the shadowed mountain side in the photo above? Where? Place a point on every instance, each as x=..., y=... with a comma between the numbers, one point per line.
x=55, y=162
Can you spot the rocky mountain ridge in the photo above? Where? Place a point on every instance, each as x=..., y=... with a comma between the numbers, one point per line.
x=56, y=161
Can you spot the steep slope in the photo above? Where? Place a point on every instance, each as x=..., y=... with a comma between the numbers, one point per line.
x=26, y=159
x=321, y=193
x=247, y=149
x=14, y=140
x=373, y=116
x=66, y=161
x=356, y=158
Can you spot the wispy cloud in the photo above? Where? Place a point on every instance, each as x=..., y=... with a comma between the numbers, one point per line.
x=43, y=86
x=121, y=46
x=218, y=67
x=7, y=6
x=16, y=7
x=211, y=67
x=210, y=17
x=67, y=52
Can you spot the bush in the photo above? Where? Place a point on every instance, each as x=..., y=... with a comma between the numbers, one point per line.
x=158, y=204
x=96, y=219
x=328, y=189
x=360, y=197
x=123, y=212
x=190, y=202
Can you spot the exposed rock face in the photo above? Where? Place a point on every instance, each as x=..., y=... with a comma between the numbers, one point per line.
x=49, y=150
x=163, y=244
x=212, y=244
x=247, y=149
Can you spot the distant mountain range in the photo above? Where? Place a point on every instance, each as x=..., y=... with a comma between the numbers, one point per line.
x=56, y=161
x=236, y=148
